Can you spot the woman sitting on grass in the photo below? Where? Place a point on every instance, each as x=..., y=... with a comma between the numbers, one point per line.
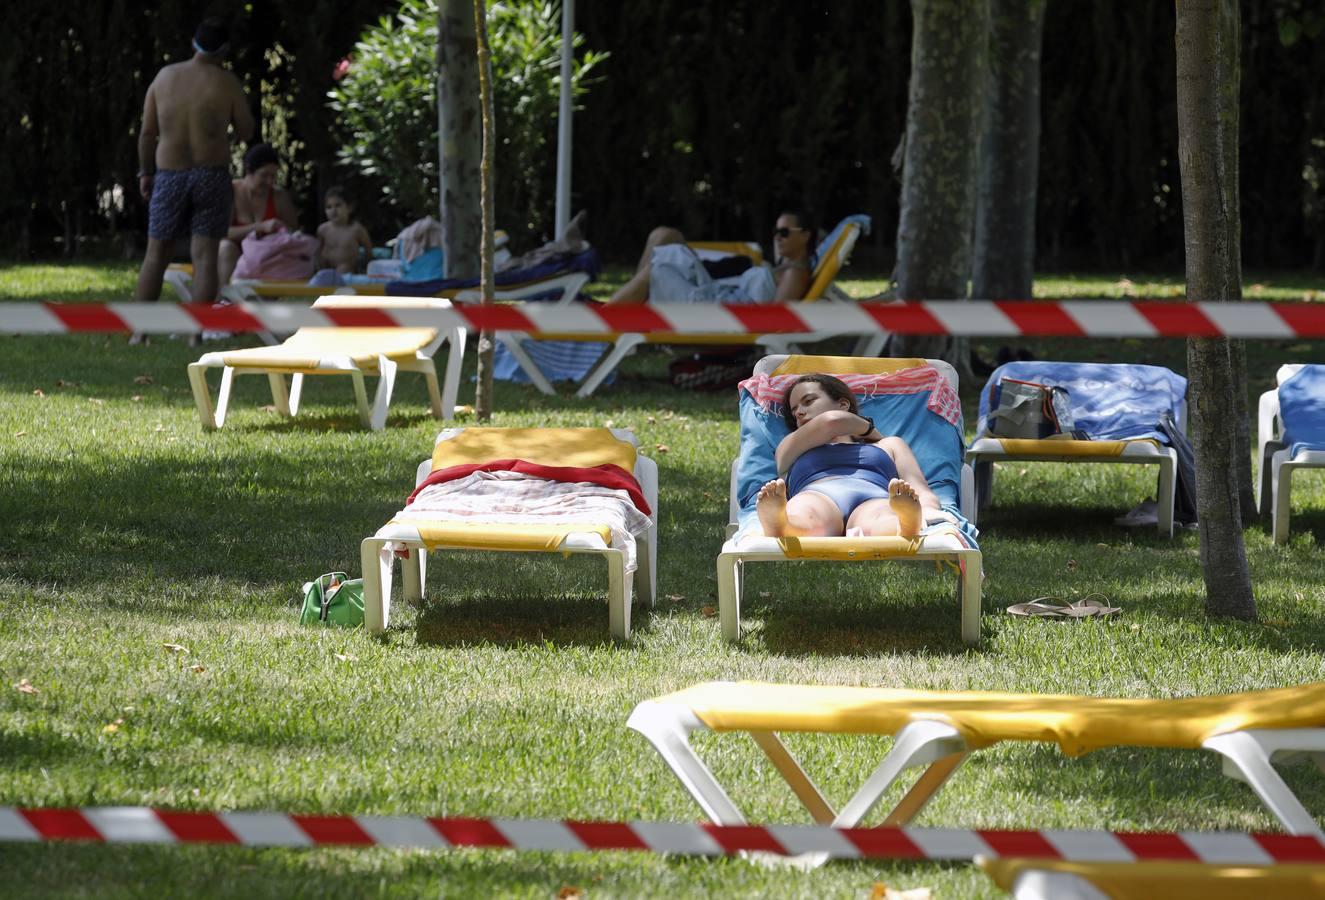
x=841, y=476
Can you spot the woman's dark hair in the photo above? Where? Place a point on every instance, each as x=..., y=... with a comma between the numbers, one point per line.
x=835, y=388
x=804, y=219
x=259, y=155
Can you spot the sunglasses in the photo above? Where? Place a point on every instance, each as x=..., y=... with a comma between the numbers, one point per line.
x=785, y=232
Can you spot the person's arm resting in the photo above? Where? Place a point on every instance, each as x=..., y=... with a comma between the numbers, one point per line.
x=822, y=429
x=147, y=137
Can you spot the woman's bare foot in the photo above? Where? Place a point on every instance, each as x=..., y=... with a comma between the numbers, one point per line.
x=771, y=505
x=905, y=505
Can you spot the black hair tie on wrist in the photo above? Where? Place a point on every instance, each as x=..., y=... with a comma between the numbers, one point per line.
x=869, y=426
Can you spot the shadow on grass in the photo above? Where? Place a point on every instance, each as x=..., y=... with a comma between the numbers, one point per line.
x=531, y=617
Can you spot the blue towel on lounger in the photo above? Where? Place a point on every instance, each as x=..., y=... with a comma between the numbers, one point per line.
x=1109, y=401
x=581, y=262
x=1302, y=409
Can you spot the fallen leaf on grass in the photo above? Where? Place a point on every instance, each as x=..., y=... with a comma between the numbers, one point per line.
x=708, y=612
x=464, y=411
x=19, y=433
x=25, y=687
x=1103, y=546
x=662, y=448
x=1071, y=565
x=60, y=382
x=765, y=594
x=651, y=420
x=269, y=408
x=176, y=648
x=96, y=400
x=346, y=657
x=569, y=892
x=142, y=379
x=113, y=727
x=675, y=598
x=881, y=891
x=609, y=424
x=667, y=414
x=197, y=668
x=137, y=398
x=38, y=392
x=159, y=427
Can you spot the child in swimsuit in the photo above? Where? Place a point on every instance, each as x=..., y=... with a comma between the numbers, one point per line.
x=340, y=238
x=842, y=476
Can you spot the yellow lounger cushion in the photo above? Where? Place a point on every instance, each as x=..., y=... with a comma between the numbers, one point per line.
x=1051, y=447
x=1077, y=724
x=572, y=447
x=1173, y=880
x=845, y=365
x=503, y=536
x=847, y=548
x=306, y=348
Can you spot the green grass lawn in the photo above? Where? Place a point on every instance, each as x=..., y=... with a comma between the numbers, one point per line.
x=125, y=528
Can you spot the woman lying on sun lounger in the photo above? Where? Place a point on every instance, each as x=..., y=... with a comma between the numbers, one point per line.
x=671, y=272
x=841, y=476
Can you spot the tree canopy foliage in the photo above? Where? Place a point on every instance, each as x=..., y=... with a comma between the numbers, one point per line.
x=387, y=111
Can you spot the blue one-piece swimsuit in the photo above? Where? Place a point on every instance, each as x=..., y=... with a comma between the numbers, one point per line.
x=847, y=474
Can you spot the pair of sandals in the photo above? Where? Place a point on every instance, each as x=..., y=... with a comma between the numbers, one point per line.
x=1057, y=608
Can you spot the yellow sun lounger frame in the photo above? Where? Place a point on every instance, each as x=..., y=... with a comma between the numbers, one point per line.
x=988, y=449
x=821, y=286
x=1274, y=487
x=739, y=550
x=1053, y=879
x=577, y=447
x=939, y=729
x=356, y=352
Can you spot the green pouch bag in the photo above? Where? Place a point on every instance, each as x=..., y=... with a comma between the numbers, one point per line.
x=333, y=600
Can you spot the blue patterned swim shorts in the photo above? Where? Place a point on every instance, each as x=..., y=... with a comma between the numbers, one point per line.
x=190, y=201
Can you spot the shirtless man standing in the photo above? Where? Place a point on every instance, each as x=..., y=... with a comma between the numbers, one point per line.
x=184, y=160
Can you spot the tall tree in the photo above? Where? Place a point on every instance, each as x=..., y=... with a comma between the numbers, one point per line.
x=1009, y=153
x=483, y=398
x=949, y=53
x=1208, y=41
x=459, y=137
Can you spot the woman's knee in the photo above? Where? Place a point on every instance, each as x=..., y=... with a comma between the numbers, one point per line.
x=665, y=234
x=814, y=517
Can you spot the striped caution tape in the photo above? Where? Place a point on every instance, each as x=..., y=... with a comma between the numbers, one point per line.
x=144, y=825
x=992, y=318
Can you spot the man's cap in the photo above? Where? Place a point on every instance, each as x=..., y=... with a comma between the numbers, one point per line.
x=212, y=36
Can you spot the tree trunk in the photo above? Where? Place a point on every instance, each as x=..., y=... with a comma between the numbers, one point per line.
x=1208, y=75
x=949, y=54
x=483, y=396
x=459, y=137
x=1009, y=154
x=1237, y=355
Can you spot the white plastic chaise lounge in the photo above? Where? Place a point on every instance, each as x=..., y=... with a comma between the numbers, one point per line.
x=1057, y=879
x=938, y=730
x=831, y=261
x=1291, y=436
x=538, y=451
x=917, y=402
x=1116, y=404
x=352, y=352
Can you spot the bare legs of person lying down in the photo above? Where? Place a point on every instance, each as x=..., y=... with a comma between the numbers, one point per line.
x=811, y=514
x=636, y=290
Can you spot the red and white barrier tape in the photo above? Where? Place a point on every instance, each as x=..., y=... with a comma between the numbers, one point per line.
x=144, y=825
x=996, y=318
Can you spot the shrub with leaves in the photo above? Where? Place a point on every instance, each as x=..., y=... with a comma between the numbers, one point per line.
x=387, y=108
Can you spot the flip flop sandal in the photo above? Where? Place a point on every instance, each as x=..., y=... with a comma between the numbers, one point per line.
x=1057, y=608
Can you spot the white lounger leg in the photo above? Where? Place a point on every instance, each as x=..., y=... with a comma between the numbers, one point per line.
x=386, y=381
x=1281, y=491
x=361, y=399
x=376, y=559
x=618, y=595
x=646, y=573
x=1267, y=420
x=623, y=347
x=455, y=358
x=729, y=595
x=918, y=744
x=202, y=397
x=668, y=726
x=1247, y=757
x=296, y=392
x=223, y=394
x=280, y=396
x=413, y=572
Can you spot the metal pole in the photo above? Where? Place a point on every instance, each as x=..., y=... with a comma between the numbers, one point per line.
x=564, y=117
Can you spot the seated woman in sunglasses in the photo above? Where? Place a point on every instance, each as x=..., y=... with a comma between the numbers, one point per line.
x=671, y=272
x=842, y=476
